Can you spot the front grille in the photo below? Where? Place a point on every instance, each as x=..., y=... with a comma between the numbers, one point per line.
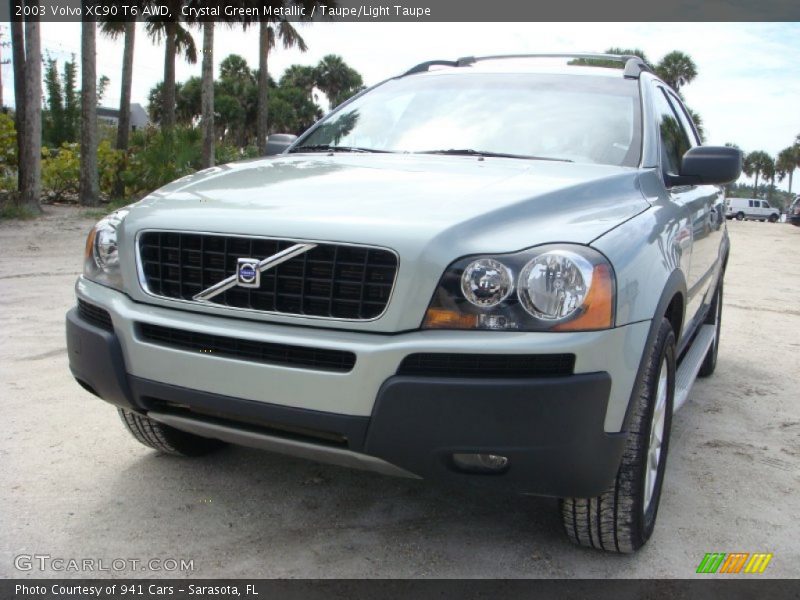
x=229, y=347
x=99, y=317
x=487, y=365
x=331, y=280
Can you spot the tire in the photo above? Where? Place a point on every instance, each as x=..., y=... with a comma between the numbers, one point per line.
x=622, y=518
x=740, y=216
x=166, y=439
x=714, y=317
x=773, y=218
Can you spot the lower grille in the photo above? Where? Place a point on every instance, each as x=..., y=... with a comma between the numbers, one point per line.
x=487, y=365
x=229, y=347
x=99, y=317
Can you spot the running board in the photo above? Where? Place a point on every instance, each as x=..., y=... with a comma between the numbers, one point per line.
x=691, y=363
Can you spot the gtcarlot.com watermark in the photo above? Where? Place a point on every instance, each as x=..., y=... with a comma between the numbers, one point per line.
x=58, y=564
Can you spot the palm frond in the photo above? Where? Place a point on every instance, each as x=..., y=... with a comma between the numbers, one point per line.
x=184, y=43
x=112, y=29
x=290, y=37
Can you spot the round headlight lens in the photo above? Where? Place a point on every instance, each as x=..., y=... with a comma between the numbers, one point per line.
x=106, y=252
x=486, y=282
x=554, y=284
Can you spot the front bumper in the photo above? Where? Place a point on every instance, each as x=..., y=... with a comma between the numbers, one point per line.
x=554, y=430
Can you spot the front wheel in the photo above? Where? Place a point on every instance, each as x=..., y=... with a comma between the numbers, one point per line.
x=740, y=216
x=622, y=518
x=164, y=438
x=773, y=218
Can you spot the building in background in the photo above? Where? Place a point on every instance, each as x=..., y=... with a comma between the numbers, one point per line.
x=110, y=116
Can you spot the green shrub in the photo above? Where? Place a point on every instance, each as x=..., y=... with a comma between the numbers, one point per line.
x=61, y=171
x=8, y=153
x=157, y=157
x=109, y=162
x=225, y=154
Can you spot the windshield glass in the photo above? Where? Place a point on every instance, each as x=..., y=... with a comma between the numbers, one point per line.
x=589, y=119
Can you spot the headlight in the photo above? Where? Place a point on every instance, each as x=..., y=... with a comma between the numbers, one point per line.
x=486, y=282
x=559, y=287
x=554, y=284
x=101, y=258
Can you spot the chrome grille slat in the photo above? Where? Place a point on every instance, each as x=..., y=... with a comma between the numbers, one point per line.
x=336, y=281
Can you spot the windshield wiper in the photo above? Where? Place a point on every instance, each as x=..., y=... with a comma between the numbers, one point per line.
x=332, y=148
x=471, y=152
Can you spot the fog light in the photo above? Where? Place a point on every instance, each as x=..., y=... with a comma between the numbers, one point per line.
x=481, y=463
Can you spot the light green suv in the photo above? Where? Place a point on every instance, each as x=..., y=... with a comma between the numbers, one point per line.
x=498, y=271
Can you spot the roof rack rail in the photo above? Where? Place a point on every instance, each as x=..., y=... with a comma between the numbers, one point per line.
x=633, y=67
x=422, y=67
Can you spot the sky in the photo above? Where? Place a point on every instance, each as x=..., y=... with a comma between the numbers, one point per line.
x=747, y=90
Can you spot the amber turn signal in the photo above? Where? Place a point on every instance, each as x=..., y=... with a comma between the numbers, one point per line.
x=598, y=307
x=438, y=318
x=88, y=252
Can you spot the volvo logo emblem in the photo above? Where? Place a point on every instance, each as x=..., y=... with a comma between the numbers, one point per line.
x=247, y=273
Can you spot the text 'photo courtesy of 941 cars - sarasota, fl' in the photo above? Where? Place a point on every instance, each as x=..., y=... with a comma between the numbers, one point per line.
x=503, y=271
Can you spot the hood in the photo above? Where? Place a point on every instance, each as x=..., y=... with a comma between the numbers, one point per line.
x=387, y=199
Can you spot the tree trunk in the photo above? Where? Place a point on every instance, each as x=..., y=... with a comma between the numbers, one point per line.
x=124, y=124
x=791, y=173
x=89, y=184
x=168, y=110
x=207, y=94
x=755, y=188
x=31, y=161
x=18, y=50
x=263, y=88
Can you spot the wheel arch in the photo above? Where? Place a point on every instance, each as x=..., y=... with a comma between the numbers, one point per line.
x=672, y=305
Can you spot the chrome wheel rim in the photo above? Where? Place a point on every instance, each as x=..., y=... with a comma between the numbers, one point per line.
x=656, y=437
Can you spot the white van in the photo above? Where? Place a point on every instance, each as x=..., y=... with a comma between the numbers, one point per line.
x=751, y=208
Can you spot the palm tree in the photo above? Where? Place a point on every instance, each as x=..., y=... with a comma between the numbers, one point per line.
x=89, y=182
x=758, y=163
x=301, y=77
x=788, y=161
x=268, y=33
x=337, y=79
x=30, y=148
x=676, y=69
x=114, y=29
x=207, y=94
x=18, y=51
x=178, y=40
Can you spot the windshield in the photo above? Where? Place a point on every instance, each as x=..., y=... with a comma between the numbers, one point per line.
x=589, y=119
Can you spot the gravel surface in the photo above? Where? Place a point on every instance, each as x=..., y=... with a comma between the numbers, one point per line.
x=74, y=484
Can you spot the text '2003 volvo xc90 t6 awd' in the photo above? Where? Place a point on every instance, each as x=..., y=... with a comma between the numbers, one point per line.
x=502, y=270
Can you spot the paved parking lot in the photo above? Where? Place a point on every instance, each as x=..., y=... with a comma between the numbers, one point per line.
x=73, y=484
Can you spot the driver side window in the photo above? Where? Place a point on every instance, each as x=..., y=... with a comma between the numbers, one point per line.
x=674, y=141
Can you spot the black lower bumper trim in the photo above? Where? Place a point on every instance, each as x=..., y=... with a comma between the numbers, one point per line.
x=551, y=429
x=95, y=359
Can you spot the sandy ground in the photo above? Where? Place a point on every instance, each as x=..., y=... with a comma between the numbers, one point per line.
x=73, y=484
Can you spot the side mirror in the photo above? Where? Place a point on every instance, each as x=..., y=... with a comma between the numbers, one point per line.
x=709, y=165
x=278, y=142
